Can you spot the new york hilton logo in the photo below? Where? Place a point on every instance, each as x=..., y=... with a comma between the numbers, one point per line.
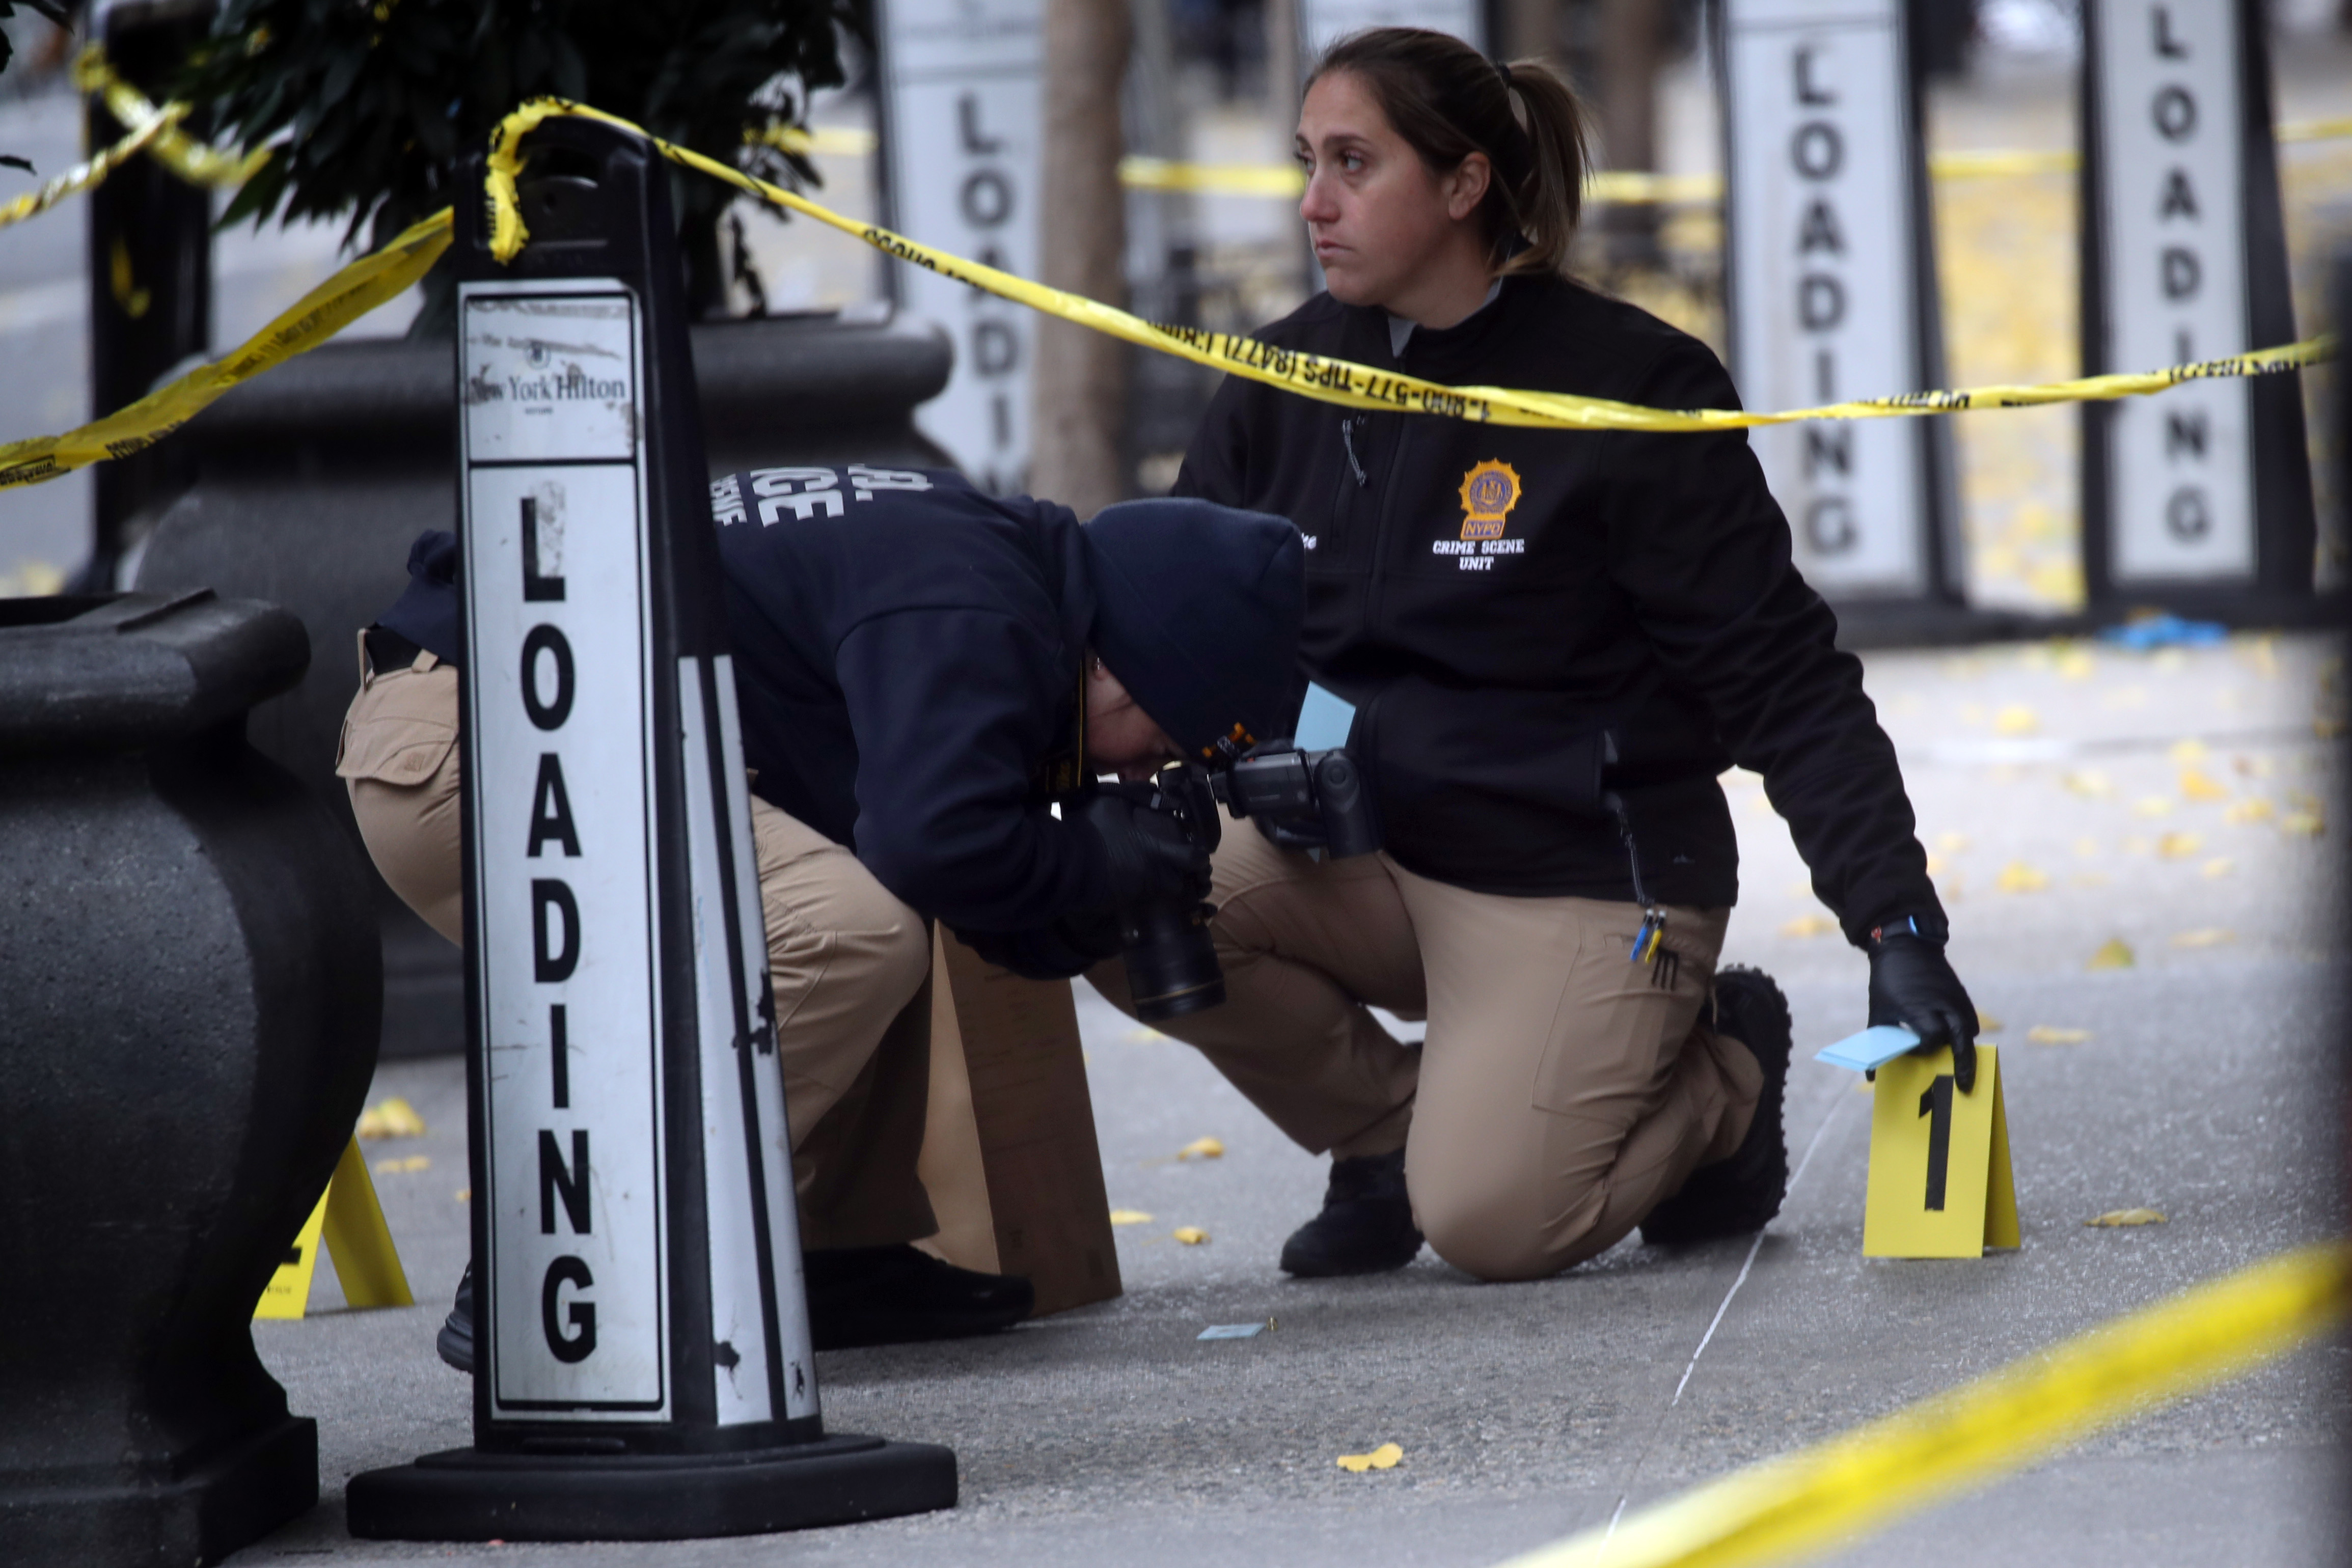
x=1489, y=491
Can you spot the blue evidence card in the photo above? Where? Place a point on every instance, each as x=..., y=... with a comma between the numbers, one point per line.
x=1871, y=1048
x=1323, y=721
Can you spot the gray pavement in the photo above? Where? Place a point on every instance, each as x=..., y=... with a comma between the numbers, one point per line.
x=2203, y=1087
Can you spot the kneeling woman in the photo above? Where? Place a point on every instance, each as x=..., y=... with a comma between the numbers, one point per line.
x=1531, y=622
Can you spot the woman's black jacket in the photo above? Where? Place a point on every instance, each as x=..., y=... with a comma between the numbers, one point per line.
x=1494, y=600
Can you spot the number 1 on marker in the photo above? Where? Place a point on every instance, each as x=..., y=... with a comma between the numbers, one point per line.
x=1935, y=1101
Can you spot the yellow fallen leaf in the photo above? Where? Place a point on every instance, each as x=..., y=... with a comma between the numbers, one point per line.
x=1936, y=865
x=1952, y=843
x=2089, y=783
x=1190, y=1235
x=1810, y=925
x=2116, y=954
x=2219, y=866
x=1383, y=1458
x=2048, y=1034
x=1987, y=1023
x=465, y=1195
x=1130, y=1216
x=2018, y=877
x=402, y=1166
x=2117, y=1216
x=2188, y=751
x=2015, y=720
x=2151, y=806
x=2205, y=937
x=2302, y=824
x=2255, y=810
x=2179, y=846
x=2199, y=785
x=2326, y=727
x=1143, y=1036
x=1202, y=1149
x=396, y=1118
x=2077, y=663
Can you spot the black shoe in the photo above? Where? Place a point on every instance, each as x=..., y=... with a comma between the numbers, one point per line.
x=1366, y=1226
x=456, y=1340
x=899, y=1295
x=1734, y=1197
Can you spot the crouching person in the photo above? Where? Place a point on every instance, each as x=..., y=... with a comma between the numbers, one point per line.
x=1555, y=641
x=924, y=673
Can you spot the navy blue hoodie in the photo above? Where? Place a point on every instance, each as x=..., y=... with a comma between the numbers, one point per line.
x=909, y=654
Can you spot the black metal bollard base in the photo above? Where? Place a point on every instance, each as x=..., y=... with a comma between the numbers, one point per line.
x=466, y=1494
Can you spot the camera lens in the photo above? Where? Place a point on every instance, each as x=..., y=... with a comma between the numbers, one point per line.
x=1172, y=965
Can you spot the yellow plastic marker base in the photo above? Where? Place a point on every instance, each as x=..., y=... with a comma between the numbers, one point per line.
x=1939, y=1177
x=351, y=1223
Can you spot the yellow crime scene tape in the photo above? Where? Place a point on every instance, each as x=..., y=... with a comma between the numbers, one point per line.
x=1819, y=1497
x=318, y=316
x=369, y=282
x=185, y=155
x=1624, y=187
x=91, y=173
x=1340, y=382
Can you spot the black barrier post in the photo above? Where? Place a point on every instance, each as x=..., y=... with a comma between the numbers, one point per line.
x=2198, y=500
x=643, y=1365
x=151, y=277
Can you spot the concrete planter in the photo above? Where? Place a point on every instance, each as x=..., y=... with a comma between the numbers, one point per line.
x=189, y=991
x=315, y=477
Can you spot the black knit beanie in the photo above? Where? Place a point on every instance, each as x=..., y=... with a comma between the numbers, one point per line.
x=1197, y=614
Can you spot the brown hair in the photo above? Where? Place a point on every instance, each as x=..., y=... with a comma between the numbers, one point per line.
x=1448, y=100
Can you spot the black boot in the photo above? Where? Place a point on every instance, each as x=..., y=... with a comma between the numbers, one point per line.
x=456, y=1340
x=898, y=1295
x=1734, y=1197
x=1366, y=1226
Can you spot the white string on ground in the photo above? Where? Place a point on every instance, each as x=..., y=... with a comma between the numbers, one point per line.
x=1705, y=1339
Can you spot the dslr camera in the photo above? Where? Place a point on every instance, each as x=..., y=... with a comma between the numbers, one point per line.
x=1312, y=801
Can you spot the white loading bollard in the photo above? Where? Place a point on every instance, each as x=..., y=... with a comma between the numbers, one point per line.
x=643, y=1365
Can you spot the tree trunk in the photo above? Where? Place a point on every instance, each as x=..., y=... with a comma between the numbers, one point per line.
x=1530, y=29
x=1632, y=48
x=1080, y=386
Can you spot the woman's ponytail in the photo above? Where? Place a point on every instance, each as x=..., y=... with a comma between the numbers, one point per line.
x=1448, y=100
x=1551, y=197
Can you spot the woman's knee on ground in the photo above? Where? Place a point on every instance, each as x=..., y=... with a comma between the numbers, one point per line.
x=1496, y=1220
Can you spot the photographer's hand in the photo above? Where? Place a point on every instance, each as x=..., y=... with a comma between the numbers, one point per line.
x=1911, y=984
x=1149, y=854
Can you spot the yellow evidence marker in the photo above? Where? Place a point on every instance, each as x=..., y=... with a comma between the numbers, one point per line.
x=1939, y=1176
x=351, y=1222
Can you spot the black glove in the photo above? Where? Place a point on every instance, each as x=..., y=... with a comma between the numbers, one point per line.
x=1067, y=948
x=1911, y=984
x=1151, y=855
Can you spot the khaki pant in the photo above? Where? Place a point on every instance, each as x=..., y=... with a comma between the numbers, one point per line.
x=850, y=964
x=1562, y=1092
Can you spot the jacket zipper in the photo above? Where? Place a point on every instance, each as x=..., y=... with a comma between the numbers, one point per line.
x=1381, y=530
